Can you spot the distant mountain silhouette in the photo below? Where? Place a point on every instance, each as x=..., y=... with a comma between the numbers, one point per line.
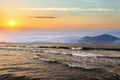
x=101, y=39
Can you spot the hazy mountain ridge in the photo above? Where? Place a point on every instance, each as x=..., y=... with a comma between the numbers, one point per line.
x=100, y=39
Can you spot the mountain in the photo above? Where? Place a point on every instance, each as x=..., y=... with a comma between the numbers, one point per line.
x=101, y=39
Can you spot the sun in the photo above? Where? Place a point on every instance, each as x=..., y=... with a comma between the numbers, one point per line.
x=11, y=23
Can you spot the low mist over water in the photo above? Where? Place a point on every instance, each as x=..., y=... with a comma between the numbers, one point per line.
x=52, y=36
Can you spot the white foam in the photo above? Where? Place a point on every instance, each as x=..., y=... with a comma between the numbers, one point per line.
x=85, y=54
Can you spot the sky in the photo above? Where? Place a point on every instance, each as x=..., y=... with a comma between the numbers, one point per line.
x=57, y=15
x=60, y=14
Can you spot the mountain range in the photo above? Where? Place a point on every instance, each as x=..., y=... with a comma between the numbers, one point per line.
x=100, y=39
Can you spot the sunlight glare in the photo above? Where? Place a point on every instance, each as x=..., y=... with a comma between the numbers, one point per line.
x=11, y=23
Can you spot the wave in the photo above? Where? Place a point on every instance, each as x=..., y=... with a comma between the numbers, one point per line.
x=85, y=54
x=73, y=53
x=49, y=60
x=78, y=65
x=14, y=77
x=65, y=52
x=71, y=64
x=109, y=57
x=37, y=56
x=77, y=53
x=83, y=60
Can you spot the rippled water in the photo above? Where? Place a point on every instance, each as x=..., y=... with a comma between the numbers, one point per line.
x=59, y=64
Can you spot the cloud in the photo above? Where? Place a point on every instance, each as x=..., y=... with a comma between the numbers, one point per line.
x=92, y=1
x=66, y=9
x=43, y=17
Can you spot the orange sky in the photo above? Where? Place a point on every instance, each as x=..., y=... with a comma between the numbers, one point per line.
x=43, y=17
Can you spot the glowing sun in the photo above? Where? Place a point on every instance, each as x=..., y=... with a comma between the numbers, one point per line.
x=11, y=23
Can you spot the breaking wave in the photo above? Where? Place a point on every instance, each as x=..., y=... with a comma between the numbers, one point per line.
x=72, y=64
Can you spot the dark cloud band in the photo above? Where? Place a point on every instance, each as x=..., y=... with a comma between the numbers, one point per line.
x=43, y=17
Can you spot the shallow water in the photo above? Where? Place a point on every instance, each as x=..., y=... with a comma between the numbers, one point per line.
x=59, y=64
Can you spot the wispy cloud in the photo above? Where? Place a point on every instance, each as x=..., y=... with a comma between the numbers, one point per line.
x=43, y=17
x=92, y=1
x=66, y=9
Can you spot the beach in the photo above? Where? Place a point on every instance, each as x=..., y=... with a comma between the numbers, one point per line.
x=23, y=62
